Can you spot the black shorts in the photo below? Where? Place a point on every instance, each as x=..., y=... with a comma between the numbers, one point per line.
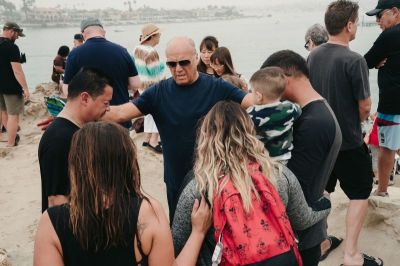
x=353, y=170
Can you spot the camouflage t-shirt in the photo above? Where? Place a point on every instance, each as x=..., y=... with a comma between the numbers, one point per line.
x=274, y=126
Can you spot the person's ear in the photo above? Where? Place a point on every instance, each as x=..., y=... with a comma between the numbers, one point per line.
x=84, y=98
x=259, y=96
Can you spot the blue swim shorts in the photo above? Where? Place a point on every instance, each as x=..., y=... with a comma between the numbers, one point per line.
x=389, y=131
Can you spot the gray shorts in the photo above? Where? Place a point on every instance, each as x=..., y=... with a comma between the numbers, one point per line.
x=12, y=104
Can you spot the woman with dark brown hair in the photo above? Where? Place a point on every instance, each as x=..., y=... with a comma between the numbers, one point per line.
x=207, y=47
x=221, y=62
x=109, y=221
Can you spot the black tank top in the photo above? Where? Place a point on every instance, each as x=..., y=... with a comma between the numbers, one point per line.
x=74, y=254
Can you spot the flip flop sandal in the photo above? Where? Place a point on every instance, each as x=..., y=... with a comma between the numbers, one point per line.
x=370, y=261
x=335, y=242
x=157, y=148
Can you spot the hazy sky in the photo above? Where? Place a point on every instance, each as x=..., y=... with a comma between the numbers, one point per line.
x=90, y=4
x=153, y=3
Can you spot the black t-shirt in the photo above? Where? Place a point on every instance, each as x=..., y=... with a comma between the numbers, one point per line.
x=176, y=110
x=387, y=46
x=53, y=159
x=341, y=77
x=9, y=52
x=316, y=144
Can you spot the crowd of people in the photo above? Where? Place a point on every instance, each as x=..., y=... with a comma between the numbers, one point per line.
x=249, y=166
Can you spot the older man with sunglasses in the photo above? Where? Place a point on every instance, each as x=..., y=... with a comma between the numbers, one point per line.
x=385, y=55
x=177, y=104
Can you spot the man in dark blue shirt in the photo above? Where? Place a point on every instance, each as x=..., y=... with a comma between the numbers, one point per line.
x=385, y=55
x=113, y=59
x=177, y=104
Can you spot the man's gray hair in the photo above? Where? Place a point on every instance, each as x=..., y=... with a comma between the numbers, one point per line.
x=317, y=33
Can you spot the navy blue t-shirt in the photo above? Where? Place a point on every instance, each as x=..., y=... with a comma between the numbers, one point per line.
x=177, y=111
x=113, y=59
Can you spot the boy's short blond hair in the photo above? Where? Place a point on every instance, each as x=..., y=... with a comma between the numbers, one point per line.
x=269, y=81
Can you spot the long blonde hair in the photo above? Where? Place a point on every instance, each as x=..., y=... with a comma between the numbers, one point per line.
x=226, y=144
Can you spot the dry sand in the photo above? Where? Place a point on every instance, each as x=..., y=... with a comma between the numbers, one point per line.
x=20, y=198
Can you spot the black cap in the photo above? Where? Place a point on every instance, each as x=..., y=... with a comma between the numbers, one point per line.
x=15, y=27
x=382, y=5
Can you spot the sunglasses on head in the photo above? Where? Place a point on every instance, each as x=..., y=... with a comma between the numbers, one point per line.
x=182, y=63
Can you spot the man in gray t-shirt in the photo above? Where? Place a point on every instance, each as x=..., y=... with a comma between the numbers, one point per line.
x=341, y=76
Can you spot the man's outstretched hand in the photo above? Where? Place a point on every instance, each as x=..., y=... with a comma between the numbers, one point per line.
x=44, y=124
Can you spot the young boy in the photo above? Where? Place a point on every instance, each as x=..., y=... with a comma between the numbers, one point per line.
x=272, y=118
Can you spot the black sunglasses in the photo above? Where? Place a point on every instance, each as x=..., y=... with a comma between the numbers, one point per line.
x=307, y=45
x=380, y=14
x=182, y=63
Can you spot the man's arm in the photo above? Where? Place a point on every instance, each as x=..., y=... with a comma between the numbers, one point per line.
x=378, y=53
x=20, y=77
x=364, y=107
x=247, y=101
x=122, y=113
x=133, y=83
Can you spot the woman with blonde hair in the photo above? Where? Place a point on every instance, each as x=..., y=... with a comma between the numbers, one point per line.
x=109, y=220
x=229, y=155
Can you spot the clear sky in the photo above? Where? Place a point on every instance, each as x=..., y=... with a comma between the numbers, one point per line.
x=185, y=4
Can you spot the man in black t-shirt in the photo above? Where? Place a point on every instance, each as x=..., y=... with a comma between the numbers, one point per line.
x=177, y=104
x=13, y=86
x=385, y=55
x=316, y=143
x=341, y=77
x=89, y=97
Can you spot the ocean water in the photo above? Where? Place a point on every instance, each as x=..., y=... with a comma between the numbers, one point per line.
x=250, y=40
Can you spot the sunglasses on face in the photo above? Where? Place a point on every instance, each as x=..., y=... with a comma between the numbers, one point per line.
x=380, y=14
x=307, y=45
x=182, y=63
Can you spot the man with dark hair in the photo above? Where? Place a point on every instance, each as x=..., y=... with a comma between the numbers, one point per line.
x=341, y=76
x=111, y=58
x=176, y=105
x=385, y=55
x=78, y=40
x=59, y=63
x=89, y=97
x=316, y=143
x=13, y=88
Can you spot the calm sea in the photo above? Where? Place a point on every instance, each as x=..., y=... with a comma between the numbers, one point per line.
x=250, y=40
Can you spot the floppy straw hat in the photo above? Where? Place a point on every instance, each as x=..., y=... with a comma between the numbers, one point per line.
x=148, y=30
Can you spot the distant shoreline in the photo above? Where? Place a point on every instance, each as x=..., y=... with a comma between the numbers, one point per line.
x=132, y=22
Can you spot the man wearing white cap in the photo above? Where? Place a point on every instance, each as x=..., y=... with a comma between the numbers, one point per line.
x=111, y=58
x=385, y=55
x=13, y=86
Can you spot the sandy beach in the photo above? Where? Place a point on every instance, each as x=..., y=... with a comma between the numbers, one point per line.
x=20, y=197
